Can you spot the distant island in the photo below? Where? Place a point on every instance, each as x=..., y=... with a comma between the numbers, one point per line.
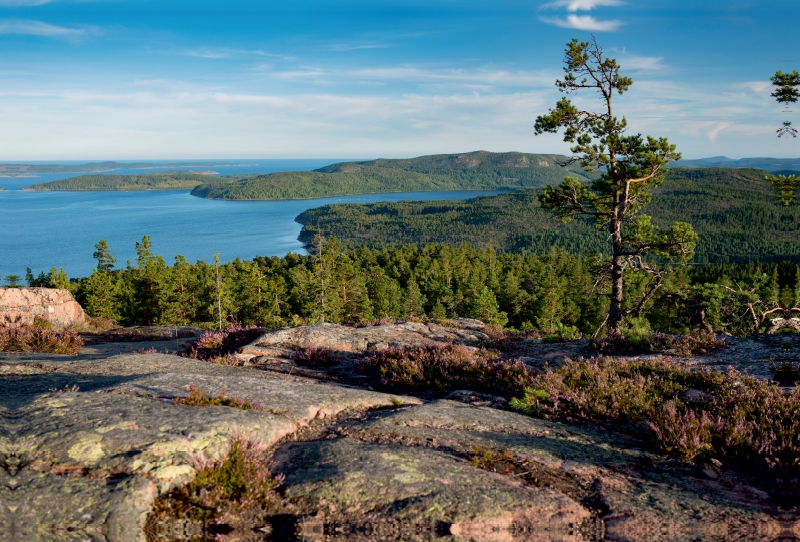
x=171, y=180
x=732, y=210
x=31, y=170
x=480, y=170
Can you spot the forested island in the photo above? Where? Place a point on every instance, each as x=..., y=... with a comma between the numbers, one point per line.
x=733, y=211
x=30, y=170
x=480, y=170
x=170, y=180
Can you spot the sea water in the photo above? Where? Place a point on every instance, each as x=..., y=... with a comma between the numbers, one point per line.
x=41, y=230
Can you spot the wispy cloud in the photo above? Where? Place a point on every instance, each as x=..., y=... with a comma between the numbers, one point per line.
x=581, y=22
x=484, y=79
x=39, y=28
x=639, y=63
x=226, y=52
x=584, y=22
x=23, y=3
x=581, y=5
x=355, y=46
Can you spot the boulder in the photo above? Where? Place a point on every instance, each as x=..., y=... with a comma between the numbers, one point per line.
x=19, y=306
x=366, y=339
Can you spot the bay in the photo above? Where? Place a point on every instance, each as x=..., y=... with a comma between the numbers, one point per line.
x=41, y=230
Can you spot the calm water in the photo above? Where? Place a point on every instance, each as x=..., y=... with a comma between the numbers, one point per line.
x=45, y=229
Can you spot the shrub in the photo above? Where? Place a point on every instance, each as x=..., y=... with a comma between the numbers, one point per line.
x=316, y=356
x=739, y=416
x=37, y=339
x=439, y=368
x=562, y=332
x=213, y=344
x=239, y=483
x=694, y=342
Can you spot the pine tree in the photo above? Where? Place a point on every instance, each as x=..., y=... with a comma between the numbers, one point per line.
x=59, y=279
x=100, y=293
x=630, y=167
x=486, y=309
x=105, y=261
x=413, y=301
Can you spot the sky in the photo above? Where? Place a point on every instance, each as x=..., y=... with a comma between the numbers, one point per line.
x=204, y=79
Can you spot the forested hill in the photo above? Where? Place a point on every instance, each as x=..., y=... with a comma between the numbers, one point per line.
x=471, y=171
x=171, y=180
x=731, y=209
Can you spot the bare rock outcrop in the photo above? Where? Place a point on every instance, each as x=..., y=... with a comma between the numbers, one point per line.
x=367, y=339
x=19, y=306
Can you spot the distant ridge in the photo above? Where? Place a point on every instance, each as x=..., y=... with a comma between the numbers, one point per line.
x=479, y=170
x=772, y=165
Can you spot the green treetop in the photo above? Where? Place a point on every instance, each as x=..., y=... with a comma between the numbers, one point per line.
x=105, y=261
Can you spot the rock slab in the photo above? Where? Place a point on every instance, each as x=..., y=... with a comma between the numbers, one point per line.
x=19, y=306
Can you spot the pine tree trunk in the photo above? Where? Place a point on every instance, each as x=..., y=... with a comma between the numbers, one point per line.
x=615, y=311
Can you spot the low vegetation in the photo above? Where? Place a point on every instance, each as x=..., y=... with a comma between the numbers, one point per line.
x=213, y=345
x=729, y=416
x=234, y=490
x=32, y=338
x=441, y=368
x=197, y=397
x=316, y=356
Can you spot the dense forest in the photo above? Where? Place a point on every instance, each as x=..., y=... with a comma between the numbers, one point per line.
x=168, y=180
x=524, y=291
x=733, y=211
x=471, y=171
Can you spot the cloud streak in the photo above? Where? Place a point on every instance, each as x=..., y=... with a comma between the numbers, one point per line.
x=39, y=28
x=581, y=5
x=23, y=3
x=584, y=22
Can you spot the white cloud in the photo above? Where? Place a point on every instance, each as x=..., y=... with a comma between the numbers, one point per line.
x=581, y=5
x=226, y=52
x=483, y=79
x=355, y=46
x=39, y=28
x=640, y=63
x=22, y=3
x=584, y=22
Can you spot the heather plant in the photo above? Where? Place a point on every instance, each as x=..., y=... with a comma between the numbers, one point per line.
x=316, y=356
x=693, y=342
x=738, y=416
x=36, y=339
x=439, y=368
x=213, y=344
x=239, y=483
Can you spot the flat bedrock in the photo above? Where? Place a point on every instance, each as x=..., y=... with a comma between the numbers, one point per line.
x=88, y=464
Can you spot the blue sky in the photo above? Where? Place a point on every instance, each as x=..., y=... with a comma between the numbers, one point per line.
x=132, y=79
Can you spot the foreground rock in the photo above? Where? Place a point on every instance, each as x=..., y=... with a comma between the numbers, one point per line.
x=20, y=306
x=88, y=443
x=364, y=340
